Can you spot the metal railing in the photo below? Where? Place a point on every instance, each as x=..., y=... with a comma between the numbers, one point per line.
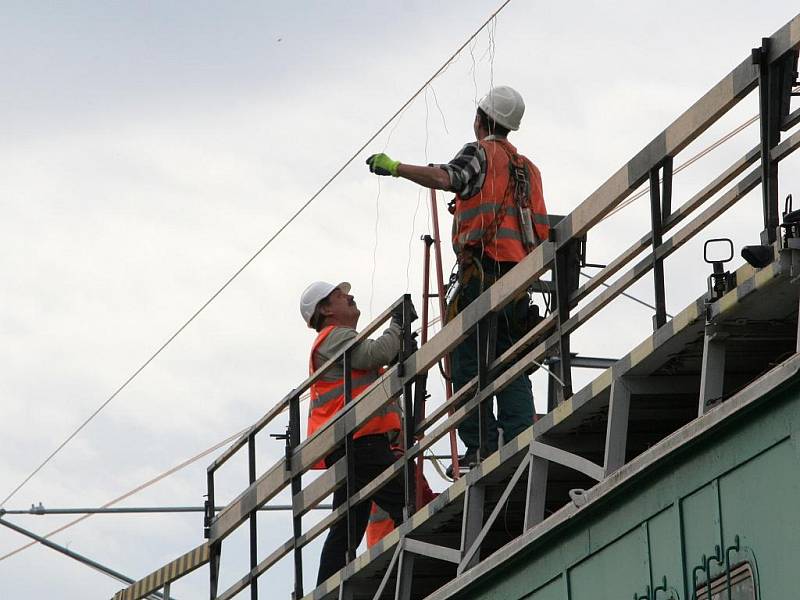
x=771, y=68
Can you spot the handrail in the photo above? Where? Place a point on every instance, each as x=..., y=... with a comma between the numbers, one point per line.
x=550, y=334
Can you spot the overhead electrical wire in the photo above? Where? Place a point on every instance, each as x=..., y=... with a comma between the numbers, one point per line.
x=258, y=252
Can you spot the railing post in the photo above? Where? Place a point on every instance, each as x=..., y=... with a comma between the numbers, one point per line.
x=775, y=82
x=297, y=485
x=216, y=549
x=561, y=266
x=657, y=211
x=408, y=421
x=486, y=335
x=251, y=468
x=768, y=95
x=352, y=543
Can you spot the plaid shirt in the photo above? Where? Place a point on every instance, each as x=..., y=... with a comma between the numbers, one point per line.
x=468, y=169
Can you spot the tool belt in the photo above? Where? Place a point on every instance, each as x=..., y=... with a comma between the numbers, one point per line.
x=523, y=313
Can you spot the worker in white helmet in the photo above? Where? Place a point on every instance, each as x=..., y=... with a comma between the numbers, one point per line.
x=332, y=311
x=499, y=217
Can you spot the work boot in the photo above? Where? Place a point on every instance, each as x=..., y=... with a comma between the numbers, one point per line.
x=465, y=463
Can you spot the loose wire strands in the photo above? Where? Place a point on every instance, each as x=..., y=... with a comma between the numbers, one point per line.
x=378, y=218
x=135, y=490
x=411, y=238
x=375, y=247
x=247, y=263
x=420, y=191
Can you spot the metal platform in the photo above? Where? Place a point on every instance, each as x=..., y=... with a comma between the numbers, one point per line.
x=663, y=379
x=679, y=379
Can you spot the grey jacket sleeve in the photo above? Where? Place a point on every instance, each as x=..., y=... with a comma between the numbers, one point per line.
x=369, y=354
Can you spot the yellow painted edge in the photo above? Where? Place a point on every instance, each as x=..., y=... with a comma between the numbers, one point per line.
x=642, y=351
x=602, y=382
x=562, y=411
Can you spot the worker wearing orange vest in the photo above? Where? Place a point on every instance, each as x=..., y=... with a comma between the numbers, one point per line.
x=333, y=313
x=499, y=217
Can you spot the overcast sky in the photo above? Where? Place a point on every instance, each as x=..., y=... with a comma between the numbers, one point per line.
x=148, y=149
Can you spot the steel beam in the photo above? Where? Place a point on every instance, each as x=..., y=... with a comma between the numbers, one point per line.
x=476, y=544
x=617, y=429
x=758, y=391
x=387, y=574
x=536, y=494
x=567, y=459
x=432, y=550
x=405, y=576
x=472, y=521
x=712, y=376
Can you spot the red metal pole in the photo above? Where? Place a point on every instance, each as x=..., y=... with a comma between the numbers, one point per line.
x=426, y=268
x=448, y=385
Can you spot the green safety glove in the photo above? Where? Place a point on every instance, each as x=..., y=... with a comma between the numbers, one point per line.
x=380, y=164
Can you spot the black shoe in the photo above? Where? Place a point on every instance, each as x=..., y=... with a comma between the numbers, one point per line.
x=465, y=463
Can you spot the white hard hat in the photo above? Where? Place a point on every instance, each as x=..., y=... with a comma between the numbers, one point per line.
x=504, y=106
x=319, y=290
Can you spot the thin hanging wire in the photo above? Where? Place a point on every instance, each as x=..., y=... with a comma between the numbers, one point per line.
x=258, y=252
x=491, y=32
x=419, y=195
x=441, y=113
x=472, y=71
x=375, y=248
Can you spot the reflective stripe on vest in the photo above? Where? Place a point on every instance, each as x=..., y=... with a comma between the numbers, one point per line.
x=338, y=389
x=489, y=220
x=379, y=526
x=327, y=398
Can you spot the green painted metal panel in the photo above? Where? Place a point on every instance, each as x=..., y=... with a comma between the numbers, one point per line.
x=520, y=580
x=700, y=520
x=619, y=569
x=665, y=549
x=550, y=591
x=768, y=486
x=743, y=478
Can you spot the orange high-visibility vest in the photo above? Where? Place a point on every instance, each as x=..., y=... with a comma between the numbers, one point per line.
x=488, y=222
x=327, y=398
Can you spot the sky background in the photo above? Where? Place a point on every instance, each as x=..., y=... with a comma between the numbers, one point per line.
x=148, y=149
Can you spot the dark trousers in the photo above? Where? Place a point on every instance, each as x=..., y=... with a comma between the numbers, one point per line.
x=515, y=402
x=372, y=457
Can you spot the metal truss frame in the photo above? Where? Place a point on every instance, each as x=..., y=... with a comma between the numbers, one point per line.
x=770, y=69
